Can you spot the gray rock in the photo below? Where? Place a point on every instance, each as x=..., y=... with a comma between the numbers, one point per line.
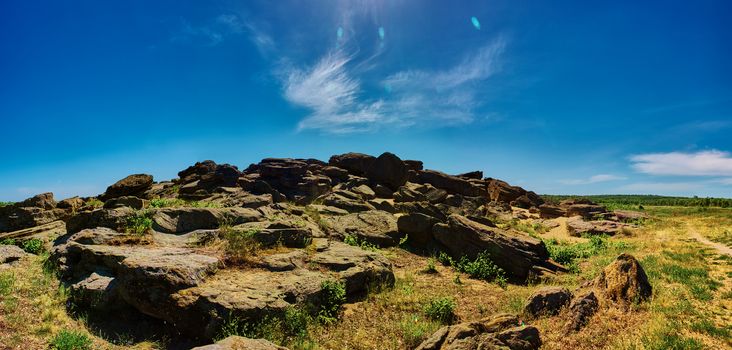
x=374, y=226
x=547, y=301
x=240, y=343
x=133, y=185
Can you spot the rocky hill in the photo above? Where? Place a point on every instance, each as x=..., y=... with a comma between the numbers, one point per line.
x=219, y=243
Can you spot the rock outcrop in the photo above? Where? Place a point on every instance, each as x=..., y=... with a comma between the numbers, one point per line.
x=516, y=253
x=240, y=343
x=497, y=332
x=133, y=185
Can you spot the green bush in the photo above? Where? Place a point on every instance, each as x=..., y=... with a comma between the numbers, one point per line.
x=481, y=268
x=441, y=310
x=431, y=268
x=333, y=295
x=33, y=246
x=71, y=340
x=140, y=223
x=240, y=245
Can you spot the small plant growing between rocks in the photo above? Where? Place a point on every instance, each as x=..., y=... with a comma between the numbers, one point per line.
x=431, y=268
x=354, y=241
x=94, y=203
x=441, y=310
x=33, y=246
x=415, y=330
x=481, y=268
x=140, y=223
x=241, y=246
x=71, y=340
x=333, y=296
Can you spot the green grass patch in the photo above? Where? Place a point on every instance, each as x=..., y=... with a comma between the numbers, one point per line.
x=441, y=310
x=70, y=340
x=482, y=267
x=140, y=223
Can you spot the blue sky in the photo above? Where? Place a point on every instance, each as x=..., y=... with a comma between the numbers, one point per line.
x=556, y=96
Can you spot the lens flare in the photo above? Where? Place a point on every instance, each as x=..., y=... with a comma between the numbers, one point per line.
x=381, y=33
x=476, y=23
x=339, y=32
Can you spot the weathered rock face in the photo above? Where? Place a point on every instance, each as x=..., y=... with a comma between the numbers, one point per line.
x=576, y=227
x=355, y=163
x=200, y=180
x=548, y=211
x=44, y=201
x=624, y=281
x=294, y=178
x=581, y=310
x=419, y=228
x=419, y=193
x=497, y=332
x=518, y=254
x=133, y=185
x=240, y=343
x=46, y=233
x=582, y=207
x=179, y=220
x=73, y=203
x=249, y=295
x=346, y=200
x=388, y=170
x=373, y=226
x=476, y=175
x=126, y=201
x=451, y=184
x=10, y=255
x=547, y=301
x=629, y=215
x=113, y=218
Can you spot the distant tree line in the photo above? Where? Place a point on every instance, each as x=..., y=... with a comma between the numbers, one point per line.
x=649, y=200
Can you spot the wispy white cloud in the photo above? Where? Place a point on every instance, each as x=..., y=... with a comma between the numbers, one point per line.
x=702, y=163
x=594, y=179
x=333, y=90
x=211, y=33
x=725, y=181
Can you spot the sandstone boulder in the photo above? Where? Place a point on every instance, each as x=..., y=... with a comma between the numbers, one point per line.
x=518, y=254
x=44, y=201
x=126, y=201
x=10, y=255
x=576, y=226
x=345, y=200
x=581, y=310
x=624, y=281
x=240, y=343
x=547, y=301
x=115, y=219
x=73, y=203
x=418, y=227
x=133, y=185
x=355, y=163
x=199, y=180
x=548, y=211
x=452, y=184
x=180, y=220
x=373, y=226
x=498, y=332
x=389, y=170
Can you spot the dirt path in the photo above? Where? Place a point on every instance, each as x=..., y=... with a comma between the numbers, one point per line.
x=719, y=247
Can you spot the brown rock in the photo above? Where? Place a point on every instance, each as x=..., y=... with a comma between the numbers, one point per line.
x=133, y=185
x=373, y=226
x=547, y=301
x=576, y=227
x=240, y=343
x=44, y=201
x=624, y=281
x=419, y=228
x=126, y=201
x=581, y=310
x=388, y=170
x=452, y=184
x=497, y=332
x=355, y=163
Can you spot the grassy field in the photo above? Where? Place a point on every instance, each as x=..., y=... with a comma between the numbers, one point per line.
x=633, y=201
x=691, y=307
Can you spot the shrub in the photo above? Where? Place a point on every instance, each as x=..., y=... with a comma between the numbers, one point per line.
x=441, y=310
x=94, y=203
x=240, y=245
x=140, y=223
x=481, y=268
x=332, y=297
x=33, y=246
x=71, y=340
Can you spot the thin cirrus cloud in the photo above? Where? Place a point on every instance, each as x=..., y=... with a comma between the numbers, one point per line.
x=702, y=163
x=334, y=92
x=210, y=33
x=594, y=179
